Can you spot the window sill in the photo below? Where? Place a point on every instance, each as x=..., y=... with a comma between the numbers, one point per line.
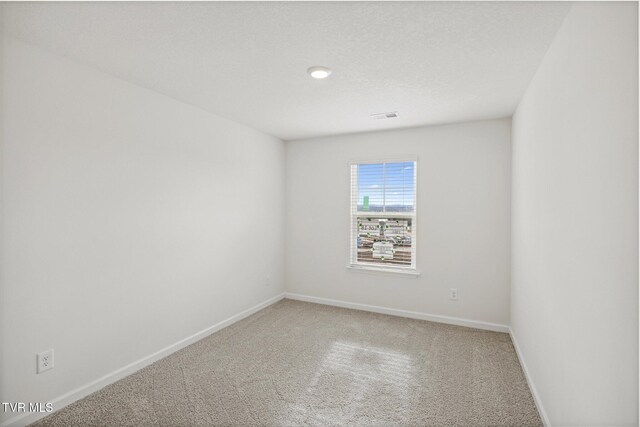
x=410, y=273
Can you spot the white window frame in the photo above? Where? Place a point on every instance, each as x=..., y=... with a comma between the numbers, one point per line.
x=354, y=214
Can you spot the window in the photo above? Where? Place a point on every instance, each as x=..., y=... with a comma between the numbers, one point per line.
x=383, y=215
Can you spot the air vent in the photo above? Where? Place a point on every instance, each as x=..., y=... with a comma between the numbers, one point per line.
x=381, y=116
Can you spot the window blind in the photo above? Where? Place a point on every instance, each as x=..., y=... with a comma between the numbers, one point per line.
x=383, y=214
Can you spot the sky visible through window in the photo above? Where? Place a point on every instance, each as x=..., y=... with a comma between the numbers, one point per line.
x=386, y=187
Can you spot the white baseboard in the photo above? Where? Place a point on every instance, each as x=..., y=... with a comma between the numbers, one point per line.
x=532, y=387
x=402, y=313
x=85, y=390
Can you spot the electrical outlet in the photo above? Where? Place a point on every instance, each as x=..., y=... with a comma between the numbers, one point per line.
x=453, y=295
x=45, y=361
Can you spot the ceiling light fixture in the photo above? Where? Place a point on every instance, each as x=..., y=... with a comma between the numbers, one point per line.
x=319, y=72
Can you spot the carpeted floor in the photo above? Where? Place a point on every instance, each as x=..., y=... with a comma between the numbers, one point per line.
x=297, y=363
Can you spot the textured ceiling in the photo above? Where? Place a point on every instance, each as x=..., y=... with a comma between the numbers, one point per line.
x=433, y=62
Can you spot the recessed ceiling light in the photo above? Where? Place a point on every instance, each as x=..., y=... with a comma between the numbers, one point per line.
x=319, y=72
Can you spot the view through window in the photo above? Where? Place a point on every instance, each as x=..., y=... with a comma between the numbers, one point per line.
x=383, y=209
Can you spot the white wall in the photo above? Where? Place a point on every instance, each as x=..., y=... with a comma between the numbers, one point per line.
x=575, y=211
x=131, y=221
x=463, y=219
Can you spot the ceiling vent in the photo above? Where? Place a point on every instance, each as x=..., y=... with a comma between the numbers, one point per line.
x=384, y=116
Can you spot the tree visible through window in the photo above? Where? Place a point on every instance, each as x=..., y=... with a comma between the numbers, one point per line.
x=383, y=209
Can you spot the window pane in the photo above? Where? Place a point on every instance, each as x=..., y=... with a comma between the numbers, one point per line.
x=384, y=240
x=370, y=187
x=386, y=187
x=399, y=187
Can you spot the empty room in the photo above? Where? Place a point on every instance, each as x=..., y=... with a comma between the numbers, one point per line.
x=319, y=213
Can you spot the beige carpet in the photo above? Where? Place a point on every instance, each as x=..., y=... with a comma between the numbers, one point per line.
x=297, y=363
